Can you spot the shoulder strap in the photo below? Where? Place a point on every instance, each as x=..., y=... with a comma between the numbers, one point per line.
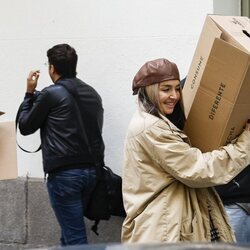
x=70, y=91
x=76, y=99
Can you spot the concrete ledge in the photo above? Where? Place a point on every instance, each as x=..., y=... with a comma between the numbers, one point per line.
x=42, y=224
x=27, y=219
x=13, y=211
x=28, y=222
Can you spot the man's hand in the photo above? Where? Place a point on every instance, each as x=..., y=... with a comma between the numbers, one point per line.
x=32, y=80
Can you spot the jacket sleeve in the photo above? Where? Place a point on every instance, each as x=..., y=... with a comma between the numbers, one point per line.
x=192, y=167
x=33, y=112
x=237, y=189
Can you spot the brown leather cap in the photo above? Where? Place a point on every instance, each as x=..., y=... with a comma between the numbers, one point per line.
x=155, y=71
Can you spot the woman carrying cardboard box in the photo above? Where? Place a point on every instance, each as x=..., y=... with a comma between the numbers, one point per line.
x=168, y=184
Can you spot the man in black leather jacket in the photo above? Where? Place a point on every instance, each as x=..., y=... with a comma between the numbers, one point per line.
x=69, y=114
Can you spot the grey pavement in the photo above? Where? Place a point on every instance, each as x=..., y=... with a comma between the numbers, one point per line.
x=27, y=220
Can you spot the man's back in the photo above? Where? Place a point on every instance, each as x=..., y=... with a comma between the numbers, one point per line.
x=89, y=103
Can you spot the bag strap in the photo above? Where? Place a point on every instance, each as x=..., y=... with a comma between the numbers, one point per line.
x=16, y=122
x=94, y=227
x=70, y=91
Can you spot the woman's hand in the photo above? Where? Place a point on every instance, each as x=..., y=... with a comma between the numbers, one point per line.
x=32, y=80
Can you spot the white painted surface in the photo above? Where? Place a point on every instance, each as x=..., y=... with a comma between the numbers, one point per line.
x=113, y=38
x=227, y=7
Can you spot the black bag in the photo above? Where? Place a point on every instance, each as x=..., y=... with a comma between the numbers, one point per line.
x=106, y=199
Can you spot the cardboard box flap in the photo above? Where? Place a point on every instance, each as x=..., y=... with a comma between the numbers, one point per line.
x=216, y=91
x=245, y=89
x=224, y=76
x=200, y=58
x=235, y=30
x=1, y=112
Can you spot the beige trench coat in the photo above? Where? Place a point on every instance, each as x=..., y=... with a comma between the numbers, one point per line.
x=167, y=184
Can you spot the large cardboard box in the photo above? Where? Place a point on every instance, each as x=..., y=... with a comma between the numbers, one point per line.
x=216, y=93
x=8, y=155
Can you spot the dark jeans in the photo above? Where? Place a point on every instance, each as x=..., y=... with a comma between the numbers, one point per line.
x=69, y=191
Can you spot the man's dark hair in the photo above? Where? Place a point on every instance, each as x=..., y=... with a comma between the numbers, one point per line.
x=64, y=59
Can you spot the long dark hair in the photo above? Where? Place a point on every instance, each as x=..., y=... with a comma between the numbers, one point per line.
x=149, y=98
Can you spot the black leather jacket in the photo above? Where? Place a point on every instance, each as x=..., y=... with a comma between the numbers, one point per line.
x=237, y=190
x=63, y=128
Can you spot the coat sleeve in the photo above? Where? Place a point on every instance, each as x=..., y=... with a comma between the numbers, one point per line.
x=33, y=112
x=192, y=167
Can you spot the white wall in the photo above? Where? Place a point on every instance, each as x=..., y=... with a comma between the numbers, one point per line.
x=113, y=38
x=227, y=7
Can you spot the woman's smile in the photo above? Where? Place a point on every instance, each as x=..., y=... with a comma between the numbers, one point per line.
x=169, y=95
